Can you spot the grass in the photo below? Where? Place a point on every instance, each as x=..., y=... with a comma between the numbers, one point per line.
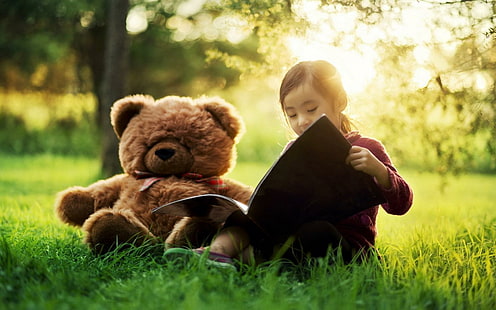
x=441, y=255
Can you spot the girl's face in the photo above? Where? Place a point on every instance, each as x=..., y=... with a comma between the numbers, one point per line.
x=303, y=105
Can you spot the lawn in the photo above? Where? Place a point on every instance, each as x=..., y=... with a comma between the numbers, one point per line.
x=441, y=255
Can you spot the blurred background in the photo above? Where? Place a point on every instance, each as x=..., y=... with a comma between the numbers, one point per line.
x=420, y=74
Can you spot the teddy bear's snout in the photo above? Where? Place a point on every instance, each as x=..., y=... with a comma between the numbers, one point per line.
x=165, y=154
x=168, y=157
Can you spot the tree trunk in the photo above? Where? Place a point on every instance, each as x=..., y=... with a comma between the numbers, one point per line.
x=114, y=80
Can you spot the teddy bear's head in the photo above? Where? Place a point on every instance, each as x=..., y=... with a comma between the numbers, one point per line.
x=176, y=135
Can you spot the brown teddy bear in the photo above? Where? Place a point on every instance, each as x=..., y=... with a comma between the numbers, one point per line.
x=169, y=149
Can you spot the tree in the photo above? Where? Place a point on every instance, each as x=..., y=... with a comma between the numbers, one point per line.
x=114, y=79
x=188, y=50
x=33, y=33
x=450, y=118
x=67, y=40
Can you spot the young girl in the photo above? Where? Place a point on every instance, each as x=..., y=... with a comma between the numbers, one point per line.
x=308, y=90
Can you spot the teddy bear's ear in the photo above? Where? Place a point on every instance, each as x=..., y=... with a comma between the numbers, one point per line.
x=123, y=110
x=224, y=114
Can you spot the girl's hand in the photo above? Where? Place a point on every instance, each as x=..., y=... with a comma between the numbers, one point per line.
x=362, y=159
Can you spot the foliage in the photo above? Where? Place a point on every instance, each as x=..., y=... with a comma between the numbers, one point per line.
x=444, y=140
x=216, y=47
x=445, y=126
x=34, y=123
x=271, y=22
x=47, y=41
x=438, y=256
x=35, y=36
x=39, y=123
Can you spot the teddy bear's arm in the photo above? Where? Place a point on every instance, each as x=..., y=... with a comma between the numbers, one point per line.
x=75, y=204
x=238, y=191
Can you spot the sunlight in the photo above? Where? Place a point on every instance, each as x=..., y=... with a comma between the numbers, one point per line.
x=190, y=7
x=235, y=29
x=337, y=35
x=482, y=81
x=136, y=21
x=356, y=65
x=421, y=77
x=479, y=81
x=422, y=54
x=413, y=26
x=357, y=69
x=204, y=25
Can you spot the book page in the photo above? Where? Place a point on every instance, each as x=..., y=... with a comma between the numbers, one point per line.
x=208, y=205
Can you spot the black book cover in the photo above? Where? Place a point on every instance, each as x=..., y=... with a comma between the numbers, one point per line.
x=309, y=181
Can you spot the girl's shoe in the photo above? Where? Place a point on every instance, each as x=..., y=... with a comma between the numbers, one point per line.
x=212, y=258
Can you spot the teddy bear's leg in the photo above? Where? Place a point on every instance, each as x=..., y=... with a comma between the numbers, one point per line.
x=193, y=232
x=74, y=206
x=107, y=229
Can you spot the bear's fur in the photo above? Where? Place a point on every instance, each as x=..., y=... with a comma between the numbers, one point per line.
x=169, y=149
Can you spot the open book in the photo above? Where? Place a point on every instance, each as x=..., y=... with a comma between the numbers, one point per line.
x=309, y=181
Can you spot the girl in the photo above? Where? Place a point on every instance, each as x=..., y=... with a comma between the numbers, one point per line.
x=308, y=90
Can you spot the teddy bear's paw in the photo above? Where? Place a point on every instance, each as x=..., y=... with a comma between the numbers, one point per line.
x=193, y=232
x=74, y=206
x=108, y=230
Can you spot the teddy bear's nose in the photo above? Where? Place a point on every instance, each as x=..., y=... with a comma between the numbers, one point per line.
x=165, y=154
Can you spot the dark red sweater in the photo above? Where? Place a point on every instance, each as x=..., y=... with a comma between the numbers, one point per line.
x=360, y=229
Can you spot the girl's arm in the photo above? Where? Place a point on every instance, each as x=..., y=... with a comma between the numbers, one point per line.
x=362, y=159
x=369, y=156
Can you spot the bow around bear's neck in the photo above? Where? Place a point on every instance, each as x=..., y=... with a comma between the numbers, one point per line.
x=151, y=178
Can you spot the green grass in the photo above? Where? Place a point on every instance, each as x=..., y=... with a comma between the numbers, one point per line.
x=441, y=255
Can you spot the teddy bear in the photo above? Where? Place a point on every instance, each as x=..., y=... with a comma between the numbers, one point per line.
x=169, y=149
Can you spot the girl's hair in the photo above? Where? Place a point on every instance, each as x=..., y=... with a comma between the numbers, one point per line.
x=325, y=79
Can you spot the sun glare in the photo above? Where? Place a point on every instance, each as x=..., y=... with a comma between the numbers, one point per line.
x=482, y=82
x=357, y=69
x=136, y=21
x=357, y=59
x=356, y=65
x=421, y=77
